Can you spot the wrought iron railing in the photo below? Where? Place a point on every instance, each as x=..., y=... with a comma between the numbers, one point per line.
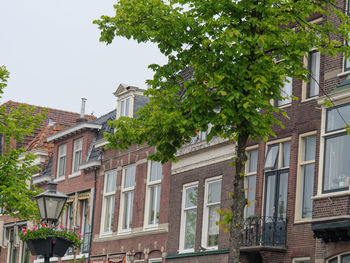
x=264, y=231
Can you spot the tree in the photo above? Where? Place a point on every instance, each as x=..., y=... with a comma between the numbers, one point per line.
x=16, y=194
x=241, y=53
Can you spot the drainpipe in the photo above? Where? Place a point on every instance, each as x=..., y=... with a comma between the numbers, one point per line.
x=93, y=213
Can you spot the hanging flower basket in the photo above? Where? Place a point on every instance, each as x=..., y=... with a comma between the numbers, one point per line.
x=51, y=246
x=48, y=241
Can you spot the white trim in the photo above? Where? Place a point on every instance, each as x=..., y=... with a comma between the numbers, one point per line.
x=300, y=182
x=61, y=152
x=74, y=129
x=247, y=174
x=183, y=217
x=153, y=260
x=205, y=222
x=338, y=256
x=297, y=260
x=120, y=99
x=77, y=147
x=149, y=184
x=75, y=174
x=101, y=143
x=104, y=204
x=123, y=192
x=90, y=165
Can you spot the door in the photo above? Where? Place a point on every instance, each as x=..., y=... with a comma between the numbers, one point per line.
x=275, y=209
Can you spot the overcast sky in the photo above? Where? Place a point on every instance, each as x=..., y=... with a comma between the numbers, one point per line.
x=52, y=51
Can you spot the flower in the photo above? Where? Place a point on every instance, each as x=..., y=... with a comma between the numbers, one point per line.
x=82, y=235
x=43, y=231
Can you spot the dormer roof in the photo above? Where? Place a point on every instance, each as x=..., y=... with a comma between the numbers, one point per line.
x=125, y=88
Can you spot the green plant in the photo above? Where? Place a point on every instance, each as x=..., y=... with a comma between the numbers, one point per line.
x=43, y=231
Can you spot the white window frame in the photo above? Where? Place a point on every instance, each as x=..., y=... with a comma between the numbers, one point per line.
x=122, y=106
x=151, y=184
x=298, y=260
x=288, y=99
x=206, y=207
x=279, y=164
x=62, y=152
x=77, y=146
x=110, y=195
x=154, y=260
x=183, y=217
x=125, y=191
x=247, y=174
x=300, y=177
x=338, y=257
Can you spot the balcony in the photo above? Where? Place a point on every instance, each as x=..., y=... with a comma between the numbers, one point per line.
x=264, y=233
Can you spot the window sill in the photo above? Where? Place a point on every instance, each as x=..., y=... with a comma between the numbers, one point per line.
x=284, y=106
x=334, y=194
x=75, y=174
x=344, y=73
x=60, y=179
x=302, y=221
x=310, y=99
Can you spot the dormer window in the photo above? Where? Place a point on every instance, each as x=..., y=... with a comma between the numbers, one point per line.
x=61, y=163
x=125, y=107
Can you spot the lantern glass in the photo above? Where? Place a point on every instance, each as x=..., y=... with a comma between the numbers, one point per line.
x=54, y=207
x=41, y=206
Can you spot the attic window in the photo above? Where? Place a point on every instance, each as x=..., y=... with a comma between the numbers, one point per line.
x=125, y=107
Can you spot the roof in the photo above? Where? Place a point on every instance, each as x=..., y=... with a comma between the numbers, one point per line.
x=57, y=116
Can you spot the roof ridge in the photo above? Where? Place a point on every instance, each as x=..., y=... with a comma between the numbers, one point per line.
x=42, y=107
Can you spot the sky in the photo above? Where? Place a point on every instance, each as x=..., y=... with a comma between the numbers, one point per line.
x=54, y=56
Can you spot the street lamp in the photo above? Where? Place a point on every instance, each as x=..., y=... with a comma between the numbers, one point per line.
x=51, y=203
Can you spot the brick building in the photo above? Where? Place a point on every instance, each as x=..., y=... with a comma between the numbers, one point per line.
x=297, y=183
x=12, y=249
x=132, y=199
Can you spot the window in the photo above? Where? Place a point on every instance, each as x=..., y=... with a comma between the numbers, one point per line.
x=61, y=163
x=77, y=150
x=286, y=93
x=153, y=193
x=345, y=258
x=347, y=60
x=336, y=167
x=25, y=253
x=314, y=62
x=188, y=217
x=85, y=225
x=250, y=182
x=127, y=200
x=306, y=172
x=109, y=201
x=12, y=248
x=301, y=260
x=212, y=199
x=276, y=180
x=125, y=107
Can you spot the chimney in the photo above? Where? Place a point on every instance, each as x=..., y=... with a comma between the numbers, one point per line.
x=82, y=112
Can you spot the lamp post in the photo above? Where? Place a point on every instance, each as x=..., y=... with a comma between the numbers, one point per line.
x=51, y=204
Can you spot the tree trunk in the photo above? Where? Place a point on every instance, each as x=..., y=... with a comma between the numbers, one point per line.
x=238, y=200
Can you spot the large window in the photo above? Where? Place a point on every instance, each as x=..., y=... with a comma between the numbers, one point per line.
x=77, y=152
x=250, y=182
x=188, y=217
x=345, y=258
x=306, y=176
x=154, y=180
x=314, y=61
x=276, y=179
x=127, y=200
x=109, y=201
x=336, y=167
x=84, y=219
x=212, y=199
x=61, y=163
x=286, y=93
